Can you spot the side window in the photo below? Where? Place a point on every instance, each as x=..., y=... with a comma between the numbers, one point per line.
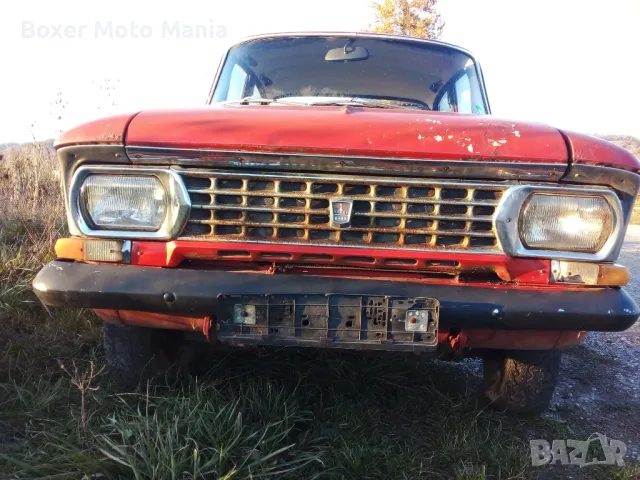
x=237, y=83
x=445, y=104
x=463, y=94
x=476, y=97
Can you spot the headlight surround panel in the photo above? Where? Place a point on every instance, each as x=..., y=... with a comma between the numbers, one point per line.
x=113, y=182
x=523, y=200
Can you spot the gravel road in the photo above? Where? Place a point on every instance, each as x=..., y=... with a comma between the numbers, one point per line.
x=599, y=384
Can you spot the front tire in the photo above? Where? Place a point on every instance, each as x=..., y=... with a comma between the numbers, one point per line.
x=137, y=355
x=521, y=381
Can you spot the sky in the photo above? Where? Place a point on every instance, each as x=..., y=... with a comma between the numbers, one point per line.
x=569, y=63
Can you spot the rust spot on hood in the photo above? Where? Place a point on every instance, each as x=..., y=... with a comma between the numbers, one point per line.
x=110, y=137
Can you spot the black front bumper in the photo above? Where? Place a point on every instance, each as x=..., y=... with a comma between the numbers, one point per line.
x=72, y=284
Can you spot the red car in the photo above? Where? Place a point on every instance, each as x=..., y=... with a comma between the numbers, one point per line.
x=345, y=191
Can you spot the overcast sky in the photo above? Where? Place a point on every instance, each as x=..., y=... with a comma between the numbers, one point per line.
x=570, y=63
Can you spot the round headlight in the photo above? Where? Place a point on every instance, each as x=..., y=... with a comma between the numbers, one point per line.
x=123, y=202
x=566, y=222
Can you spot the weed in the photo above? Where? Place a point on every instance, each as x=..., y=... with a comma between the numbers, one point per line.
x=83, y=380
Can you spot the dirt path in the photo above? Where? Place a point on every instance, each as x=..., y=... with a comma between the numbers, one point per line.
x=599, y=385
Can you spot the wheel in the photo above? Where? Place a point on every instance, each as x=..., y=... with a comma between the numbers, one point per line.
x=136, y=355
x=521, y=380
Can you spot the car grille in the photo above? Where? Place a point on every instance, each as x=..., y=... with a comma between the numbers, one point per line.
x=396, y=213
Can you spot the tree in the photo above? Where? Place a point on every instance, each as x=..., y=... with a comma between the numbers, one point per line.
x=417, y=18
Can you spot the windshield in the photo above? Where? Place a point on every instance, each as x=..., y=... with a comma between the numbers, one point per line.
x=367, y=71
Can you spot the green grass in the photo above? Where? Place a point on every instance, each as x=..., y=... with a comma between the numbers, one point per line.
x=260, y=413
x=256, y=413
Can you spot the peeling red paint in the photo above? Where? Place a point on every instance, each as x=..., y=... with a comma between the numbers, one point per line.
x=363, y=132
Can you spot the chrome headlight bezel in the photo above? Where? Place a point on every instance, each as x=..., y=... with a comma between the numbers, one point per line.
x=507, y=219
x=178, y=204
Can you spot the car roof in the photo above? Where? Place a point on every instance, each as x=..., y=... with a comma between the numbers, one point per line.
x=351, y=34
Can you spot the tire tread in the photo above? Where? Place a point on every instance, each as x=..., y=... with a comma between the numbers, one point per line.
x=521, y=380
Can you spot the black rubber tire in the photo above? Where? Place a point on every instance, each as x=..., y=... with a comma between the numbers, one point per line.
x=521, y=381
x=137, y=355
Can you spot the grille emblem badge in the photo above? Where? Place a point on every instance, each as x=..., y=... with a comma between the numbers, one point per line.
x=341, y=209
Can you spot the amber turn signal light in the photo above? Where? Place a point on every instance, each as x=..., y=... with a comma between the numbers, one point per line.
x=580, y=273
x=93, y=250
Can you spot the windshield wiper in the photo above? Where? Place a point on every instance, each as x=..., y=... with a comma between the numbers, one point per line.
x=262, y=101
x=356, y=102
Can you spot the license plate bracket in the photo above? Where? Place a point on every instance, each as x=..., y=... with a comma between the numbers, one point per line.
x=330, y=318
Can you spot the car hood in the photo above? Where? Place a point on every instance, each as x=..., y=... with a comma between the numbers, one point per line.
x=348, y=131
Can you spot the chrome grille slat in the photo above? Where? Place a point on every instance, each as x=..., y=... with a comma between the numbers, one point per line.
x=351, y=229
x=294, y=208
x=408, y=216
x=433, y=201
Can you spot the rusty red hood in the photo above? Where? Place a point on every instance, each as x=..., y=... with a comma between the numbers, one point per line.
x=350, y=131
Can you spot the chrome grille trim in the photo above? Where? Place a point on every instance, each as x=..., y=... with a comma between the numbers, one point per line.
x=293, y=208
x=347, y=164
